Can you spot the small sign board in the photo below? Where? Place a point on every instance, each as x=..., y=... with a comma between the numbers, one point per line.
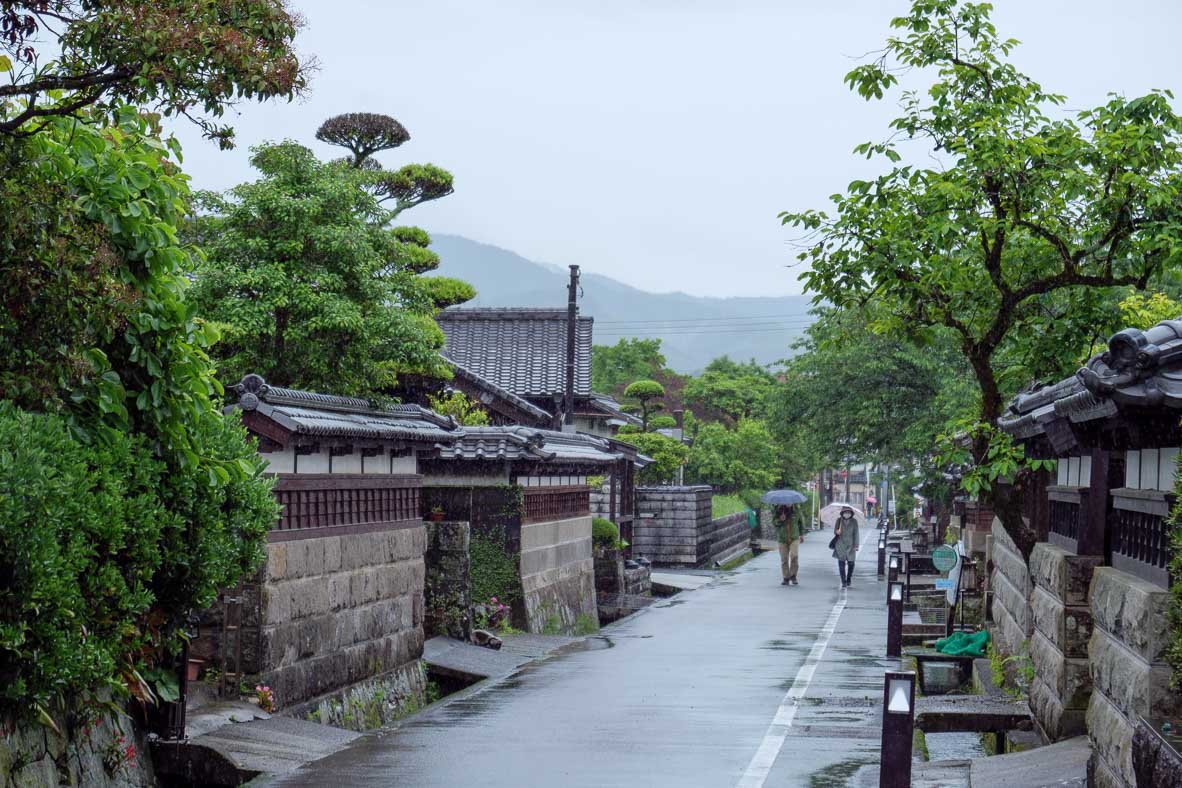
x=944, y=559
x=945, y=584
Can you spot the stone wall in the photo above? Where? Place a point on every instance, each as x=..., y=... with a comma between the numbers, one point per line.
x=638, y=581
x=100, y=750
x=1011, y=586
x=673, y=525
x=1130, y=634
x=338, y=610
x=447, y=595
x=1062, y=626
x=726, y=535
x=558, y=576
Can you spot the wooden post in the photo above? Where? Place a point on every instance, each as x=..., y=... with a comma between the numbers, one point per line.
x=572, y=319
x=1093, y=521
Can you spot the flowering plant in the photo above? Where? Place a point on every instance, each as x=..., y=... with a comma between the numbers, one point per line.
x=266, y=698
x=492, y=615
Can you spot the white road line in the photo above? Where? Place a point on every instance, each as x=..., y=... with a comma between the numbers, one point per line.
x=773, y=740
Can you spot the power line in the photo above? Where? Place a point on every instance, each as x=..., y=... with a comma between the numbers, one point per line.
x=707, y=319
x=679, y=332
x=709, y=327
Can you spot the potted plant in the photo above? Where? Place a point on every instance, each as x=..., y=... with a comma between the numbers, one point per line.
x=436, y=515
x=193, y=669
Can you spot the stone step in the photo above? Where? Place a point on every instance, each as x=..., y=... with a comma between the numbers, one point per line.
x=235, y=753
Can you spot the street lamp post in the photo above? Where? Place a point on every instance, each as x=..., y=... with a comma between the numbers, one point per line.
x=898, y=724
x=894, y=644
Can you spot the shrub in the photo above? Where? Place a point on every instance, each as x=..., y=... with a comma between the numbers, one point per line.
x=604, y=532
x=134, y=498
x=98, y=560
x=80, y=535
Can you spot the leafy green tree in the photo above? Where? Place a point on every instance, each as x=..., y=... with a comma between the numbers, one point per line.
x=461, y=407
x=645, y=396
x=147, y=499
x=662, y=423
x=743, y=457
x=668, y=455
x=615, y=366
x=310, y=286
x=853, y=395
x=366, y=134
x=179, y=57
x=730, y=391
x=1024, y=204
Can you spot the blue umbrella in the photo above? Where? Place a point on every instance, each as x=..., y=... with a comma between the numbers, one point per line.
x=783, y=497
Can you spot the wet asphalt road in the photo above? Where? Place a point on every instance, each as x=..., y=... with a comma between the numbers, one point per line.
x=682, y=694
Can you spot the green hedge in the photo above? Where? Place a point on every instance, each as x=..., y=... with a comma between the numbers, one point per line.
x=102, y=549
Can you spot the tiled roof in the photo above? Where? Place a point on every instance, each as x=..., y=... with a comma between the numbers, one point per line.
x=528, y=443
x=489, y=389
x=613, y=409
x=1140, y=369
x=325, y=415
x=521, y=350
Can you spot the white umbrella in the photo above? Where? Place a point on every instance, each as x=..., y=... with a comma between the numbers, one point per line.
x=832, y=513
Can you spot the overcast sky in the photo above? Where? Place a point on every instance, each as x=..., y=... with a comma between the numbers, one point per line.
x=653, y=141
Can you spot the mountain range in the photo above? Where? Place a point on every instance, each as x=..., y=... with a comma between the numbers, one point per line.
x=693, y=329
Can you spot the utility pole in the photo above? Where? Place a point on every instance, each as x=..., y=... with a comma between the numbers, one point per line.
x=572, y=319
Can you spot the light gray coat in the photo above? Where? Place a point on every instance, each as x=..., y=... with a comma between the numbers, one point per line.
x=847, y=539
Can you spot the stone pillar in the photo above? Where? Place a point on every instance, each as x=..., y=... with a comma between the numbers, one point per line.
x=1012, y=588
x=1130, y=634
x=448, y=590
x=673, y=525
x=1062, y=626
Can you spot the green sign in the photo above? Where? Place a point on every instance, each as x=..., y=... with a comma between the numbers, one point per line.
x=944, y=558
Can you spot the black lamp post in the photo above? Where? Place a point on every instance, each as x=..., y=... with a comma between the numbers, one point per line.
x=898, y=722
x=894, y=645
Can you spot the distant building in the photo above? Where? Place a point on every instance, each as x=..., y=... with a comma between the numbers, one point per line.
x=513, y=361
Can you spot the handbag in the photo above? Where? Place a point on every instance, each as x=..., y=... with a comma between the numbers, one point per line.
x=833, y=543
x=836, y=536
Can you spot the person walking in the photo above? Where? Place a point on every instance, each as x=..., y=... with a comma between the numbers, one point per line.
x=845, y=545
x=789, y=533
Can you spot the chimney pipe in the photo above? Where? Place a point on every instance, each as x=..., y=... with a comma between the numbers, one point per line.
x=572, y=318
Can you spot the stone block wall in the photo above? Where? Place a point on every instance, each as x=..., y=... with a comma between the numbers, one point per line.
x=110, y=751
x=338, y=610
x=1130, y=634
x=1062, y=625
x=638, y=581
x=673, y=525
x=558, y=575
x=726, y=534
x=1012, y=588
x=447, y=595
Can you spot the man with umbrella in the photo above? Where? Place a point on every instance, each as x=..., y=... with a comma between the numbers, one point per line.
x=789, y=522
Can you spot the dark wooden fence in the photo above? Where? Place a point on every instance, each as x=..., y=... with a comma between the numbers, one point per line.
x=328, y=504
x=544, y=504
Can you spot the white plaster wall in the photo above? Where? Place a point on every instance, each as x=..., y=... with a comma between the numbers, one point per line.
x=313, y=463
x=347, y=463
x=465, y=481
x=280, y=461
x=1151, y=469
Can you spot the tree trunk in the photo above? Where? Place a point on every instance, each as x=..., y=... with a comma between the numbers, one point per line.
x=1006, y=499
